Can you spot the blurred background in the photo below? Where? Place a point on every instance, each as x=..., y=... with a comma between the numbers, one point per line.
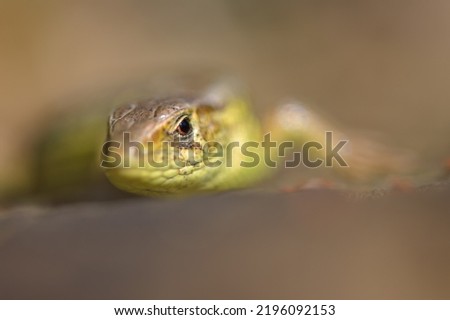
x=372, y=66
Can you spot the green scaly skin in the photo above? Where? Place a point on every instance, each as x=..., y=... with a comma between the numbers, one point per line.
x=229, y=121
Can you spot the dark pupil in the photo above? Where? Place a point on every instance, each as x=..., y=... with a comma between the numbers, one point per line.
x=184, y=127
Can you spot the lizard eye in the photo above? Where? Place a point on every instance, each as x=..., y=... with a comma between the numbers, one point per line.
x=184, y=127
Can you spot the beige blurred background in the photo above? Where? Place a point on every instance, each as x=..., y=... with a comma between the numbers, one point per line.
x=374, y=66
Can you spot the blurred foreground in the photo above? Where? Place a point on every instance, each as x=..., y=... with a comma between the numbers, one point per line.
x=306, y=245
